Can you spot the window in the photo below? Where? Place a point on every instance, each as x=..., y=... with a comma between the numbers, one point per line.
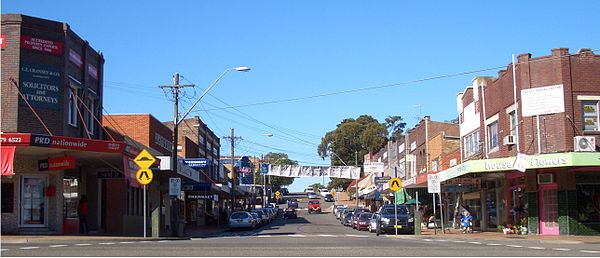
x=72, y=112
x=512, y=122
x=472, y=143
x=590, y=115
x=493, y=135
x=88, y=116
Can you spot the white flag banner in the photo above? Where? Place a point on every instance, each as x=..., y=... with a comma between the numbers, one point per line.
x=312, y=171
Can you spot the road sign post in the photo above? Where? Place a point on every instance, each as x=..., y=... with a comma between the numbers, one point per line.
x=433, y=187
x=144, y=176
x=395, y=185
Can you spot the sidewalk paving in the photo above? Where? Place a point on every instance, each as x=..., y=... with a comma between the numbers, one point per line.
x=491, y=236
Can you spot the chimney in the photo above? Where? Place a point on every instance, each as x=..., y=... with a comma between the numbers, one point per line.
x=560, y=52
x=524, y=58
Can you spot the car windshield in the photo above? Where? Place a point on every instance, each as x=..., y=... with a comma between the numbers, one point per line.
x=328, y=195
x=390, y=210
x=259, y=212
x=239, y=215
x=314, y=202
x=365, y=215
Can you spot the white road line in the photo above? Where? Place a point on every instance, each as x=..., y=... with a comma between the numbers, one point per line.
x=83, y=244
x=442, y=240
x=263, y=236
x=516, y=246
x=296, y=235
x=493, y=244
x=128, y=242
x=145, y=241
x=459, y=241
x=107, y=243
x=561, y=249
x=163, y=241
x=52, y=246
x=536, y=247
x=223, y=237
x=350, y=235
x=590, y=251
x=477, y=243
x=325, y=235
x=429, y=240
x=2, y=250
x=29, y=247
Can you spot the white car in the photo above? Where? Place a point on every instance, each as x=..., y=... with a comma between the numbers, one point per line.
x=309, y=190
x=313, y=196
x=323, y=192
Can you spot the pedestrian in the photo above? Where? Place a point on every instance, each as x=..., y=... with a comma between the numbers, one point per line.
x=82, y=211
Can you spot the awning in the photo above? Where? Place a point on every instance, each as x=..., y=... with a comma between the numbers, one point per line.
x=7, y=158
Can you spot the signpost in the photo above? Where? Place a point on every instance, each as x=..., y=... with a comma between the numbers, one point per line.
x=433, y=187
x=277, y=195
x=144, y=160
x=395, y=185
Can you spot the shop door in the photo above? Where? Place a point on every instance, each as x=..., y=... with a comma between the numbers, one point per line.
x=548, y=210
x=33, y=198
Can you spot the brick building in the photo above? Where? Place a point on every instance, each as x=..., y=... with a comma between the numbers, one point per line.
x=52, y=138
x=554, y=123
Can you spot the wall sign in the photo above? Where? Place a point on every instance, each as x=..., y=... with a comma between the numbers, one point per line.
x=92, y=71
x=543, y=100
x=60, y=163
x=43, y=45
x=40, y=85
x=3, y=41
x=75, y=58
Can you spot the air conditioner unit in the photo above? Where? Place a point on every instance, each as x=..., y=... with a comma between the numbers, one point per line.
x=584, y=143
x=510, y=140
x=544, y=179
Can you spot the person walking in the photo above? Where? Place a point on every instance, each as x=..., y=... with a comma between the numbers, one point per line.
x=82, y=211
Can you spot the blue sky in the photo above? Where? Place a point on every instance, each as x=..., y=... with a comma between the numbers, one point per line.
x=306, y=48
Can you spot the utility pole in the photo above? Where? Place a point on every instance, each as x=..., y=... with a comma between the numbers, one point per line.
x=175, y=89
x=356, y=164
x=232, y=138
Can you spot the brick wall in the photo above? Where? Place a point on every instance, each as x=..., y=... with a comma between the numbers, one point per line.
x=142, y=128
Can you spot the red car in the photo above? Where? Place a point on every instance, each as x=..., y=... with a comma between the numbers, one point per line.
x=314, y=206
x=362, y=221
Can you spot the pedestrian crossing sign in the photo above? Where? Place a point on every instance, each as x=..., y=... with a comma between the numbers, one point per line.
x=395, y=184
x=144, y=176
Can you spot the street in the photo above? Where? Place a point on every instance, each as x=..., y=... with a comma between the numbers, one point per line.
x=309, y=235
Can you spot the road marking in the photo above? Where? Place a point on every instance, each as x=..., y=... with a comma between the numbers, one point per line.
x=296, y=235
x=263, y=236
x=477, y=243
x=83, y=244
x=429, y=240
x=107, y=243
x=493, y=244
x=223, y=237
x=350, y=235
x=516, y=246
x=561, y=249
x=2, y=250
x=29, y=247
x=127, y=242
x=325, y=235
x=536, y=247
x=145, y=241
x=590, y=251
x=52, y=246
x=442, y=240
x=459, y=241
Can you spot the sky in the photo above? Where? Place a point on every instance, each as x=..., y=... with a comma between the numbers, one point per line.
x=302, y=49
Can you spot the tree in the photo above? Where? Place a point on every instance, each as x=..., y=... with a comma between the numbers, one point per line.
x=316, y=186
x=275, y=159
x=395, y=126
x=352, y=139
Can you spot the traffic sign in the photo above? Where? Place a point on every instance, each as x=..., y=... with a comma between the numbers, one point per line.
x=174, y=186
x=264, y=168
x=277, y=194
x=144, y=159
x=144, y=176
x=395, y=184
x=433, y=183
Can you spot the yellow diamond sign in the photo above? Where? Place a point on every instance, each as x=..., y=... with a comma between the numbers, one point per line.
x=144, y=159
x=144, y=176
x=395, y=184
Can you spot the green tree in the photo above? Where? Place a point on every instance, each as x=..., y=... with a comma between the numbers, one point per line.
x=395, y=126
x=276, y=181
x=350, y=141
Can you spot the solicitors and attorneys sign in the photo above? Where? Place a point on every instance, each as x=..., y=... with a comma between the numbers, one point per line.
x=40, y=85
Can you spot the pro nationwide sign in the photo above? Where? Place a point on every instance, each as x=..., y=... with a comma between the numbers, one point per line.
x=40, y=85
x=61, y=142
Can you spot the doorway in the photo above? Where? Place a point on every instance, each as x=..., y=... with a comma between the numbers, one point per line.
x=33, y=201
x=548, y=209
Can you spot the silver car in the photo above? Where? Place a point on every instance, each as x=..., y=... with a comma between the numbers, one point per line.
x=373, y=223
x=241, y=219
x=257, y=218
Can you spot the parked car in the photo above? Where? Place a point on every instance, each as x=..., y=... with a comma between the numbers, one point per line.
x=241, y=219
x=270, y=212
x=314, y=206
x=309, y=190
x=313, y=196
x=264, y=216
x=336, y=207
x=345, y=213
x=323, y=191
x=355, y=216
x=329, y=198
x=339, y=212
x=290, y=213
x=292, y=203
x=387, y=221
x=373, y=222
x=347, y=220
x=257, y=219
x=362, y=222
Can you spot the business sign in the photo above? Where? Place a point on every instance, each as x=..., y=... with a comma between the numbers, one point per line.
x=543, y=100
x=3, y=41
x=61, y=142
x=382, y=179
x=196, y=187
x=75, y=58
x=433, y=183
x=197, y=163
x=521, y=162
x=200, y=196
x=373, y=167
x=40, y=85
x=60, y=163
x=92, y=71
x=174, y=186
x=107, y=173
x=264, y=168
x=42, y=45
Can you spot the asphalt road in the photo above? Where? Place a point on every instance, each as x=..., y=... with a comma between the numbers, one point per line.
x=309, y=235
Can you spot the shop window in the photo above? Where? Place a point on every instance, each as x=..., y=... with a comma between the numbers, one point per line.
x=493, y=135
x=71, y=198
x=8, y=197
x=588, y=203
x=590, y=115
x=512, y=120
